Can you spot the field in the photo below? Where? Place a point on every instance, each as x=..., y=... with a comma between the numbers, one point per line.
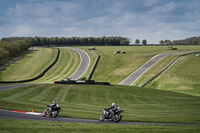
x=33, y=64
x=114, y=68
x=173, y=97
x=29, y=66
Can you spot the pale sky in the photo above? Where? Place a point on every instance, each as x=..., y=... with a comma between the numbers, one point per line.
x=153, y=20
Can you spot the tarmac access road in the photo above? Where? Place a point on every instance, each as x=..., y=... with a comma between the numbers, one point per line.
x=85, y=62
x=139, y=72
x=7, y=87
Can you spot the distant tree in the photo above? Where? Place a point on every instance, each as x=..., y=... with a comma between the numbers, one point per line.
x=162, y=42
x=137, y=41
x=144, y=42
x=168, y=42
x=3, y=54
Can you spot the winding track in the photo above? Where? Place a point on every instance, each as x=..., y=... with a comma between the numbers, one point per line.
x=14, y=115
x=139, y=72
x=85, y=62
x=80, y=71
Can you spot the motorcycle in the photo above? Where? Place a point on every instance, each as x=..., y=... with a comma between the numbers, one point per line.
x=111, y=115
x=51, y=111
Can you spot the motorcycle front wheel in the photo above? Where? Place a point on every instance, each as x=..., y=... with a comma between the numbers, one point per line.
x=44, y=113
x=101, y=118
x=117, y=118
x=55, y=114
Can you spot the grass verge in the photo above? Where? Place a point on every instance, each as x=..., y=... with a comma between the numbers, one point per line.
x=183, y=77
x=11, y=125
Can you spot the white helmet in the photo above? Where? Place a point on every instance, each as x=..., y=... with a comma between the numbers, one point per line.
x=113, y=104
x=54, y=102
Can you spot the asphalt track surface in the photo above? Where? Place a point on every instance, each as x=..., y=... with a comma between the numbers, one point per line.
x=85, y=62
x=139, y=72
x=14, y=115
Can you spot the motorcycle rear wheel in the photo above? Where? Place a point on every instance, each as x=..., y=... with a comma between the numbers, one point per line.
x=101, y=118
x=117, y=118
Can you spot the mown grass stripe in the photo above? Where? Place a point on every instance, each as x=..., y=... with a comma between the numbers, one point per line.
x=21, y=94
x=66, y=65
x=62, y=94
x=41, y=96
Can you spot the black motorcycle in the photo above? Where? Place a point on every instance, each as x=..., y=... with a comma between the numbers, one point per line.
x=111, y=115
x=51, y=111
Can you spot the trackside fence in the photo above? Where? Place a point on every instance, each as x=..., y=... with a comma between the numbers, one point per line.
x=94, y=67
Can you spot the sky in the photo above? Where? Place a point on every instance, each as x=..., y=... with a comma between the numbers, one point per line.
x=153, y=20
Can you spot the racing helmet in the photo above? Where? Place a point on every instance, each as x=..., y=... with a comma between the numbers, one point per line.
x=54, y=102
x=113, y=104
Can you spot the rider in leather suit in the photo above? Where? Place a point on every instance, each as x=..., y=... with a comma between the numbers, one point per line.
x=113, y=109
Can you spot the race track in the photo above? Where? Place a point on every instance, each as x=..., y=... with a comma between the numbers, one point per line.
x=14, y=115
x=139, y=72
x=85, y=62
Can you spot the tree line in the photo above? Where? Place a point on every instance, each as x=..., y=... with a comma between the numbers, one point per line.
x=12, y=48
x=187, y=41
x=73, y=41
x=14, y=45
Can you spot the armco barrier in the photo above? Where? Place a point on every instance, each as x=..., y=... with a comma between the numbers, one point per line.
x=94, y=67
x=166, y=68
x=39, y=76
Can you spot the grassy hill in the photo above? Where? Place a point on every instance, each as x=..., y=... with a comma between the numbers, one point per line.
x=67, y=64
x=114, y=68
x=88, y=101
x=29, y=66
x=173, y=97
x=34, y=63
x=183, y=76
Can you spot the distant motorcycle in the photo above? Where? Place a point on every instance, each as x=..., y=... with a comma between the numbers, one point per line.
x=111, y=115
x=51, y=111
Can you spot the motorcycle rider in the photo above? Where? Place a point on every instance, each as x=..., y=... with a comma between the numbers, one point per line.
x=52, y=110
x=113, y=109
x=54, y=105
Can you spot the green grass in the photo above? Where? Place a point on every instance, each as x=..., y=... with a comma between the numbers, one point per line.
x=162, y=64
x=183, y=76
x=114, y=68
x=36, y=62
x=88, y=101
x=174, y=97
x=29, y=66
x=8, y=125
x=67, y=64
